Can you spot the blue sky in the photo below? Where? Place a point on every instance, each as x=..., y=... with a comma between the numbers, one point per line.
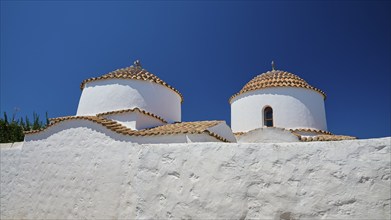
x=206, y=50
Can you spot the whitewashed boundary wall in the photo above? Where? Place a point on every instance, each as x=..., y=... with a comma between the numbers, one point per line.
x=112, y=179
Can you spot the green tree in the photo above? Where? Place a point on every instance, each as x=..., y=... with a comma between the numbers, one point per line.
x=12, y=131
x=37, y=124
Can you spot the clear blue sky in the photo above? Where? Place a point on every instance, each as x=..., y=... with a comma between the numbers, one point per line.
x=207, y=50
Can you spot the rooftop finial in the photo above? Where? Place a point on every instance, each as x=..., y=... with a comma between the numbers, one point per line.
x=137, y=64
x=273, y=65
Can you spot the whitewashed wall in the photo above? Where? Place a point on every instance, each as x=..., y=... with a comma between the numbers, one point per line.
x=117, y=94
x=135, y=120
x=267, y=135
x=223, y=130
x=85, y=130
x=292, y=108
x=95, y=175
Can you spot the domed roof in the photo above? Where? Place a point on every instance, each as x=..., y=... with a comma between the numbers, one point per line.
x=276, y=78
x=134, y=72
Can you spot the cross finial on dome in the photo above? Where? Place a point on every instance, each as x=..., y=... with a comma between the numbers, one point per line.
x=137, y=64
x=273, y=65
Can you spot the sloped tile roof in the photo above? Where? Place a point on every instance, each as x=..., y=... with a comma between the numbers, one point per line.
x=197, y=127
x=294, y=131
x=131, y=110
x=323, y=135
x=239, y=133
x=311, y=130
x=327, y=138
x=134, y=74
x=276, y=78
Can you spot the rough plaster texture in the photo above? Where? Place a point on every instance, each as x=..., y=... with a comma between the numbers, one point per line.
x=94, y=175
x=292, y=108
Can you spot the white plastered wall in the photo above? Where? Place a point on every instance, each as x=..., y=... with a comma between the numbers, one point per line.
x=117, y=94
x=267, y=135
x=223, y=130
x=135, y=120
x=92, y=133
x=292, y=108
x=92, y=176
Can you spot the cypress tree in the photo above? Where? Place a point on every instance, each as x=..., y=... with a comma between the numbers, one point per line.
x=36, y=123
x=47, y=119
x=4, y=129
x=28, y=124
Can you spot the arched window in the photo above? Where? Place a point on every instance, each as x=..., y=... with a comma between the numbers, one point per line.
x=268, y=117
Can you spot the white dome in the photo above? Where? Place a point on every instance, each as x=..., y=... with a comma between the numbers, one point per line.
x=293, y=103
x=128, y=88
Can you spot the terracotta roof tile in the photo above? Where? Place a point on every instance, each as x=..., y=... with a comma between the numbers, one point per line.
x=327, y=138
x=311, y=130
x=132, y=73
x=197, y=127
x=275, y=78
x=239, y=133
x=131, y=110
x=323, y=135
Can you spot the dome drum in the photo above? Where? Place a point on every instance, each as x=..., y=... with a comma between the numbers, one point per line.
x=128, y=88
x=116, y=94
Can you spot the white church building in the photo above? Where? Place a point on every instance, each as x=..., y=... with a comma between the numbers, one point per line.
x=127, y=154
x=276, y=105
x=278, y=99
x=134, y=105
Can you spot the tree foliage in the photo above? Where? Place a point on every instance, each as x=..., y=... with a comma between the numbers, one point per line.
x=11, y=130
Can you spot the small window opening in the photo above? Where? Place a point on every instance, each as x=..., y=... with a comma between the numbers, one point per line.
x=268, y=117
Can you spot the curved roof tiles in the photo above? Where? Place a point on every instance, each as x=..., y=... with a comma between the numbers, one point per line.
x=132, y=110
x=197, y=127
x=134, y=73
x=276, y=78
x=327, y=137
x=320, y=135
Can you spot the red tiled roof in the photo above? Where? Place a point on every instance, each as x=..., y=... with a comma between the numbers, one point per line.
x=311, y=130
x=327, y=138
x=323, y=135
x=276, y=78
x=198, y=127
x=134, y=74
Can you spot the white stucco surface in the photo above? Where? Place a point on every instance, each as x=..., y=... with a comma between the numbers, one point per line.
x=224, y=131
x=89, y=133
x=292, y=108
x=267, y=135
x=93, y=175
x=135, y=120
x=117, y=94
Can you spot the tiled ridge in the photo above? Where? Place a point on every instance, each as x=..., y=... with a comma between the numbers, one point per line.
x=197, y=127
x=326, y=138
x=131, y=110
x=239, y=133
x=311, y=130
x=323, y=135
